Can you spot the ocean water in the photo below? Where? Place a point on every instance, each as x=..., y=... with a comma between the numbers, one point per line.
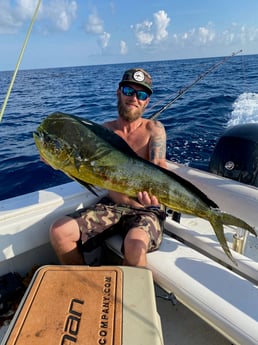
x=225, y=97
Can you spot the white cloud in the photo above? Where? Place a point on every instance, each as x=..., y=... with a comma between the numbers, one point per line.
x=26, y=8
x=104, y=39
x=161, y=20
x=239, y=34
x=236, y=36
x=12, y=17
x=58, y=14
x=123, y=48
x=143, y=32
x=149, y=32
x=95, y=26
x=196, y=36
x=61, y=13
x=206, y=35
x=228, y=37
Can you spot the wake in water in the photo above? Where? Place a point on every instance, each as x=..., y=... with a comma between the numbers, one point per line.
x=245, y=109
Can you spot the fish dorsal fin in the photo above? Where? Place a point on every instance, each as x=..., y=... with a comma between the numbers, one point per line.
x=112, y=138
x=189, y=185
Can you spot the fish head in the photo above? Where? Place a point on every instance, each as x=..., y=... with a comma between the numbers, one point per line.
x=82, y=149
x=51, y=149
x=60, y=140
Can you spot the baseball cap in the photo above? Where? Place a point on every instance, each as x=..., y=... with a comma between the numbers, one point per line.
x=137, y=76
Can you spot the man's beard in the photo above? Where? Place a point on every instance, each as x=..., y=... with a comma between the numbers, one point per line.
x=128, y=114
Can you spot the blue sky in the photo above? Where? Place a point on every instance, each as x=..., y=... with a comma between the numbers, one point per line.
x=82, y=32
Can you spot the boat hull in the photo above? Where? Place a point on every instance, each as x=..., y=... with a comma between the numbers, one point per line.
x=193, y=266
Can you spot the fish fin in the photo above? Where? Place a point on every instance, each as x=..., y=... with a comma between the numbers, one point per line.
x=217, y=225
x=229, y=219
x=90, y=187
x=222, y=218
x=188, y=185
x=111, y=137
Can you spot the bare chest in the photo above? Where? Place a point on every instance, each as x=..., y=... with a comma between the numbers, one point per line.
x=138, y=141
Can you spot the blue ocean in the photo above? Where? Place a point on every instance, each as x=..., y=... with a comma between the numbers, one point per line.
x=227, y=96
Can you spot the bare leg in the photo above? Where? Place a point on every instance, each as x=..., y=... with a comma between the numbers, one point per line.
x=64, y=235
x=135, y=247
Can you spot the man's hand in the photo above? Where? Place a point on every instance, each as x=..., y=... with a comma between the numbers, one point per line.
x=146, y=200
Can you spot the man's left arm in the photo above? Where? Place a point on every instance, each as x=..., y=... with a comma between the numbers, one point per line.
x=157, y=154
x=158, y=144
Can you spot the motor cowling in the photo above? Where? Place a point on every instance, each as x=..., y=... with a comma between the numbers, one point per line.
x=236, y=154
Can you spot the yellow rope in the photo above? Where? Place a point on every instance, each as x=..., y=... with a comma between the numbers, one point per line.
x=19, y=60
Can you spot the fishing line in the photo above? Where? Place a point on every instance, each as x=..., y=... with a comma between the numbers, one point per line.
x=181, y=92
x=19, y=60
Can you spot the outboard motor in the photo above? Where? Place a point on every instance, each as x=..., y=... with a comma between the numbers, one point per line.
x=236, y=157
x=236, y=154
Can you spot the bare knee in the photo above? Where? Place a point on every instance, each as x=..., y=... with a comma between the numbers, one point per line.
x=135, y=247
x=64, y=235
x=65, y=228
x=134, y=244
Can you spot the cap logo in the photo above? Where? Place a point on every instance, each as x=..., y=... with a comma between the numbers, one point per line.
x=138, y=76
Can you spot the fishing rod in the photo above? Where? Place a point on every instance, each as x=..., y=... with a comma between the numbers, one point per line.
x=181, y=92
x=19, y=60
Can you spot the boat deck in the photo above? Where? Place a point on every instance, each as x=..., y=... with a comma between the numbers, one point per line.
x=179, y=324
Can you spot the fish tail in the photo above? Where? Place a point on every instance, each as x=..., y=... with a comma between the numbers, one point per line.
x=228, y=219
x=217, y=224
x=218, y=219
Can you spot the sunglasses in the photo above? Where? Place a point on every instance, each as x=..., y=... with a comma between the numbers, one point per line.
x=129, y=91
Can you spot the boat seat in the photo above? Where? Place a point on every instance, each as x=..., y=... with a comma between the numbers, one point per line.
x=210, y=290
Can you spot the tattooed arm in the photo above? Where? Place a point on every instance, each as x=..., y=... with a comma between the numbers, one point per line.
x=157, y=144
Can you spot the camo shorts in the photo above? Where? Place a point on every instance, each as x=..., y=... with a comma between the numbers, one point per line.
x=106, y=219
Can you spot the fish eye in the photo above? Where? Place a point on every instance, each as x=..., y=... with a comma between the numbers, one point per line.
x=57, y=144
x=46, y=138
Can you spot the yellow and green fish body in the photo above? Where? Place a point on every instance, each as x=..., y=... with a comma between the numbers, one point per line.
x=92, y=154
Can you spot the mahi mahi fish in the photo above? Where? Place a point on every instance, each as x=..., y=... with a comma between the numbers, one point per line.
x=95, y=156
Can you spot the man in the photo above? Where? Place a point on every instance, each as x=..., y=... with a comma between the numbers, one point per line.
x=138, y=221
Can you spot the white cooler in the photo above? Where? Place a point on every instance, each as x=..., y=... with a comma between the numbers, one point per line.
x=67, y=305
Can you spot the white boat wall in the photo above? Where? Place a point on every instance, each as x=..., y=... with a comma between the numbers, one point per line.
x=190, y=263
